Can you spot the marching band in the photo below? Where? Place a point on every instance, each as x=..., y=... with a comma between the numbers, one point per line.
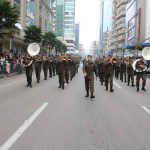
x=66, y=67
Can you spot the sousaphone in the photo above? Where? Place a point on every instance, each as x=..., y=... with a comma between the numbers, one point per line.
x=33, y=49
x=146, y=56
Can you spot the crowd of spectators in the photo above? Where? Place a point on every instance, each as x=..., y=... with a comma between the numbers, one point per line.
x=10, y=64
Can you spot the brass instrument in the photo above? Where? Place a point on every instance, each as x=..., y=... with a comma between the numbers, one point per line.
x=27, y=61
x=33, y=49
x=38, y=58
x=139, y=66
x=114, y=60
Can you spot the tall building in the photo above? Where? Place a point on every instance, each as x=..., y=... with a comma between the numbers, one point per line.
x=118, y=26
x=137, y=21
x=65, y=22
x=77, y=34
x=69, y=24
x=35, y=12
x=59, y=18
x=105, y=20
x=94, y=49
x=107, y=42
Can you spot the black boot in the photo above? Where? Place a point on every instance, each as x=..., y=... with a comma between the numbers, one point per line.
x=143, y=89
x=106, y=88
x=27, y=85
x=87, y=94
x=111, y=89
x=59, y=86
x=128, y=84
x=63, y=87
x=133, y=85
x=92, y=96
x=137, y=89
x=30, y=85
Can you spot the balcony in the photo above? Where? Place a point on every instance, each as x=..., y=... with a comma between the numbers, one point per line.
x=121, y=2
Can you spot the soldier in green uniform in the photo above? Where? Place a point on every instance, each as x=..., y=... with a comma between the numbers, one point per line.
x=141, y=67
x=109, y=71
x=101, y=70
x=123, y=71
x=62, y=66
x=130, y=73
x=38, y=67
x=89, y=69
x=45, y=66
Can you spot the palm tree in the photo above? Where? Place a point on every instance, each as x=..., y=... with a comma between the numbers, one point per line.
x=60, y=47
x=49, y=39
x=33, y=34
x=8, y=18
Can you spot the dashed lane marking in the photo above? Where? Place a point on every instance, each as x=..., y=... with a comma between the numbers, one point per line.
x=117, y=85
x=146, y=109
x=8, y=144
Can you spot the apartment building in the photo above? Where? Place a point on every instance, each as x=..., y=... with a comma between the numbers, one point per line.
x=118, y=26
x=35, y=12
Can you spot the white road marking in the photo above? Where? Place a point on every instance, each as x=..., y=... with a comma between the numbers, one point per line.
x=22, y=129
x=117, y=85
x=146, y=109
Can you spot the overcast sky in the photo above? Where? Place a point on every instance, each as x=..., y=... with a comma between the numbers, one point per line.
x=87, y=13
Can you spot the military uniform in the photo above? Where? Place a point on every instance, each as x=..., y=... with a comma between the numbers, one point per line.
x=38, y=67
x=130, y=73
x=140, y=74
x=50, y=67
x=123, y=71
x=117, y=70
x=45, y=67
x=62, y=66
x=109, y=71
x=88, y=69
x=101, y=71
x=28, y=63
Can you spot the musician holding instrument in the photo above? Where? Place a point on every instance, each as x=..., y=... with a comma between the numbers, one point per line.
x=141, y=68
x=130, y=72
x=45, y=66
x=109, y=71
x=28, y=64
x=38, y=67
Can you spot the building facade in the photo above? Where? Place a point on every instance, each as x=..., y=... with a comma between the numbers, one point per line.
x=37, y=12
x=69, y=24
x=65, y=22
x=59, y=18
x=107, y=42
x=118, y=26
x=77, y=35
x=105, y=21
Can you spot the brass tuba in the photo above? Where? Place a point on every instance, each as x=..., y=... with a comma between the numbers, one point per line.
x=141, y=66
x=33, y=49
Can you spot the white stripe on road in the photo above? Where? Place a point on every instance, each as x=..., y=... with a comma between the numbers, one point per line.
x=146, y=109
x=22, y=129
x=117, y=85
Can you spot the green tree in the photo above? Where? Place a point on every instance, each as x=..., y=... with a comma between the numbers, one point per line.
x=60, y=47
x=33, y=34
x=9, y=16
x=49, y=39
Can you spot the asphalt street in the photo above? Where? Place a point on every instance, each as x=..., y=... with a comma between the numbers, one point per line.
x=47, y=118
